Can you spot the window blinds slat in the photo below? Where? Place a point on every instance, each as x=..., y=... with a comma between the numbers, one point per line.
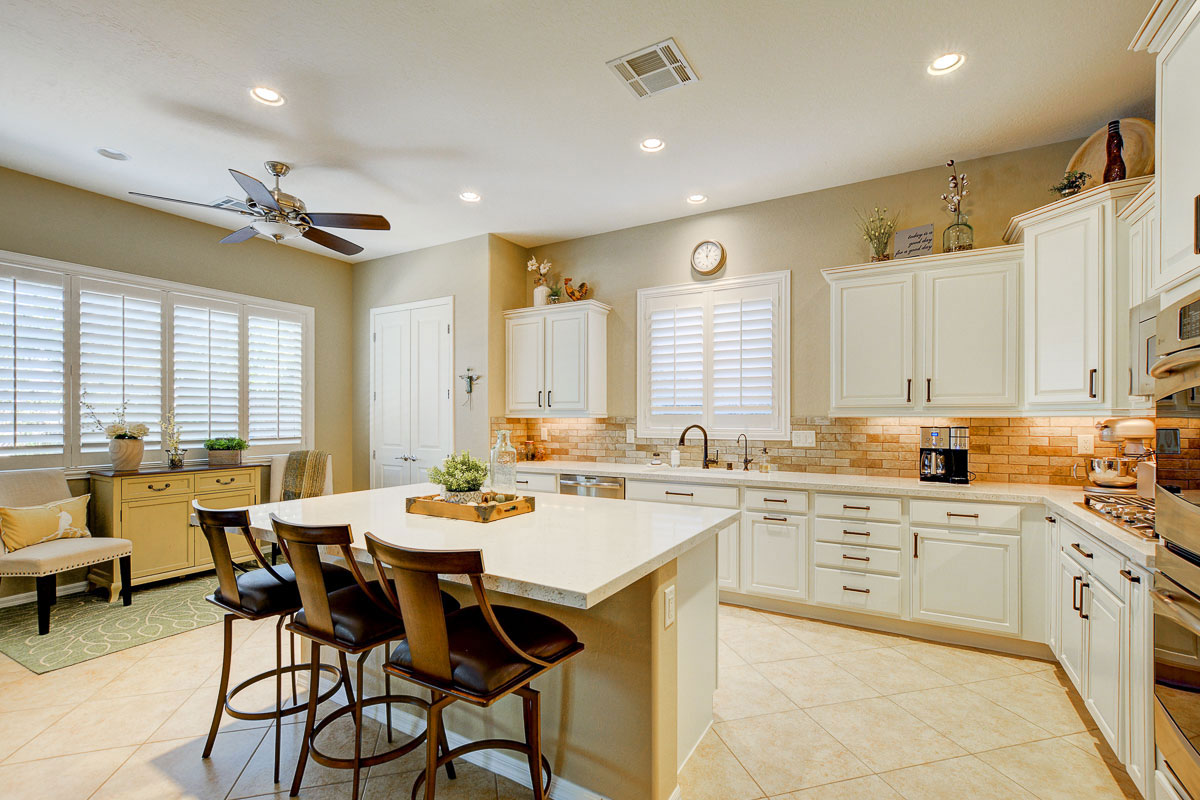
x=275, y=348
x=32, y=367
x=676, y=360
x=743, y=357
x=205, y=373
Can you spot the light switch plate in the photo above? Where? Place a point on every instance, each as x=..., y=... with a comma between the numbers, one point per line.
x=804, y=438
x=1085, y=444
x=669, y=607
x=630, y=436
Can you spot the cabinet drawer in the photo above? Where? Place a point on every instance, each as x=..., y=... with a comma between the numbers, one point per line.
x=856, y=590
x=155, y=486
x=536, y=482
x=886, y=509
x=686, y=493
x=776, y=500
x=965, y=515
x=878, y=534
x=1096, y=558
x=856, y=558
x=224, y=480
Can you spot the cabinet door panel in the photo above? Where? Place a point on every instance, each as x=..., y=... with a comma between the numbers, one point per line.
x=775, y=549
x=525, y=365
x=728, y=566
x=238, y=547
x=873, y=342
x=159, y=531
x=1071, y=626
x=1063, y=310
x=566, y=362
x=1177, y=155
x=970, y=580
x=971, y=336
x=1105, y=659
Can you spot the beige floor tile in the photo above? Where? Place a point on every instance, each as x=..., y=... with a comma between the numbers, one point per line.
x=174, y=770
x=758, y=644
x=1059, y=710
x=747, y=615
x=330, y=791
x=954, y=778
x=959, y=664
x=162, y=673
x=882, y=734
x=63, y=778
x=714, y=773
x=1024, y=663
x=871, y=787
x=1094, y=743
x=828, y=639
x=70, y=684
x=193, y=717
x=743, y=692
x=11, y=670
x=726, y=657
x=888, y=671
x=744, y=618
x=788, y=752
x=814, y=681
x=18, y=727
x=968, y=719
x=208, y=641
x=1057, y=770
x=101, y=724
x=473, y=783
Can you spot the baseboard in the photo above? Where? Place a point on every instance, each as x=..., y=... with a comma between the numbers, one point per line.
x=692, y=752
x=516, y=770
x=31, y=597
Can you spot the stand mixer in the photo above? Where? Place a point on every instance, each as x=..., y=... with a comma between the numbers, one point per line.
x=1119, y=474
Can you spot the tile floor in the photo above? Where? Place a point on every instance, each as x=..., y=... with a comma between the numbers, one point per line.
x=805, y=711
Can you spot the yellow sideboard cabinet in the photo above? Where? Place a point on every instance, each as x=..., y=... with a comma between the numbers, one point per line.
x=152, y=507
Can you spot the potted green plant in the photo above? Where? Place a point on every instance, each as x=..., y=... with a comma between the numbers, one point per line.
x=461, y=478
x=225, y=451
x=1071, y=183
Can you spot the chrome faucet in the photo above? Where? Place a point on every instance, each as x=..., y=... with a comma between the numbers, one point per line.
x=707, y=461
x=746, y=459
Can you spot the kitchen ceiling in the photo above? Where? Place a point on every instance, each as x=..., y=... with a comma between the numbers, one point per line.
x=396, y=108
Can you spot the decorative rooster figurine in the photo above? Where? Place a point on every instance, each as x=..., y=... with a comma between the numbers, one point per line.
x=576, y=294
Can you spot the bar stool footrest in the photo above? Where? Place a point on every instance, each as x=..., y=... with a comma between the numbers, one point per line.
x=285, y=711
x=379, y=758
x=485, y=744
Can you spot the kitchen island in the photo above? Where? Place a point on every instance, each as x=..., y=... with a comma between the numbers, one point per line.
x=620, y=719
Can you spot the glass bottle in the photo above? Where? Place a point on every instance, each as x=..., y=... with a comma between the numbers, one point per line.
x=1114, y=166
x=763, y=464
x=502, y=467
x=959, y=236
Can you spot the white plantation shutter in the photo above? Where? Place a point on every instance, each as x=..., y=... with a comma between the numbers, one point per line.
x=205, y=372
x=676, y=354
x=32, y=364
x=743, y=351
x=275, y=362
x=120, y=358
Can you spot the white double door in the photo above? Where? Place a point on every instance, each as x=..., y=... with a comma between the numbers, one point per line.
x=412, y=413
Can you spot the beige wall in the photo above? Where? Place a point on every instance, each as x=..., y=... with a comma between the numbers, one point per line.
x=803, y=233
x=52, y=220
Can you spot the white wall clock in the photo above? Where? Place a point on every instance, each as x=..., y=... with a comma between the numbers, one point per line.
x=708, y=257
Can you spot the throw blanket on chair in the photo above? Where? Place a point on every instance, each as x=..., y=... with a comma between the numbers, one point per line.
x=304, y=475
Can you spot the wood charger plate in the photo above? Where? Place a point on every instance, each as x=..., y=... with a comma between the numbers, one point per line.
x=1138, y=154
x=432, y=505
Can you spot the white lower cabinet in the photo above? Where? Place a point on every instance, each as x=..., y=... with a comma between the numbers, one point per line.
x=858, y=591
x=1104, y=613
x=729, y=575
x=775, y=555
x=970, y=579
x=1072, y=632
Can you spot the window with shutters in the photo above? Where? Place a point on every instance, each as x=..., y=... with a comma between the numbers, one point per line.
x=229, y=365
x=715, y=354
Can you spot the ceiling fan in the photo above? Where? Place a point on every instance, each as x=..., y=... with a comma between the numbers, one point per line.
x=281, y=216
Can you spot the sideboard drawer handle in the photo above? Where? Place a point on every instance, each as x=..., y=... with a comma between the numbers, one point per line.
x=226, y=483
x=775, y=519
x=966, y=516
x=154, y=488
x=852, y=589
x=681, y=494
x=856, y=533
x=856, y=558
x=775, y=500
x=523, y=483
x=855, y=508
x=1075, y=546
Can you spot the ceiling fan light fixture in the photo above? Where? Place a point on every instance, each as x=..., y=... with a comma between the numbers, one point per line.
x=267, y=96
x=277, y=230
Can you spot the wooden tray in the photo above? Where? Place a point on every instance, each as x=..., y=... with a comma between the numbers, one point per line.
x=488, y=511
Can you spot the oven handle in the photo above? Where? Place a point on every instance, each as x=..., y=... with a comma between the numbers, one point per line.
x=1176, y=611
x=1178, y=362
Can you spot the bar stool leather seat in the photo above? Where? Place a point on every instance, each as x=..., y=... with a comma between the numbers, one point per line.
x=262, y=593
x=359, y=620
x=480, y=663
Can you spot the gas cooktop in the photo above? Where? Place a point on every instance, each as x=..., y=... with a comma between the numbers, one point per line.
x=1130, y=512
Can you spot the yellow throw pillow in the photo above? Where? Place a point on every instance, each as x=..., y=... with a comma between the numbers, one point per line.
x=65, y=519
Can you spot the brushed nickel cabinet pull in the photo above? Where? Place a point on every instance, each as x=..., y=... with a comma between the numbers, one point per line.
x=154, y=488
x=966, y=516
x=1091, y=389
x=1129, y=576
x=855, y=508
x=1075, y=546
x=856, y=533
x=775, y=519
x=856, y=558
x=852, y=589
x=681, y=494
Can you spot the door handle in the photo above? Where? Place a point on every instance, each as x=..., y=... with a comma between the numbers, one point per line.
x=965, y=516
x=855, y=508
x=774, y=519
x=1129, y=576
x=548, y=403
x=1075, y=546
x=539, y=398
x=856, y=558
x=774, y=500
x=681, y=494
x=1082, y=585
x=852, y=589
x=226, y=482
x=1180, y=614
x=856, y=533
x=916, y=542
x=928, y=390
x=1075, y=581
x=908, y=392
x=1092, y=383
x=154, y=488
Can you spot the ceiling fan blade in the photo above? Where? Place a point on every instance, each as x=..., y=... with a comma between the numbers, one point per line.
x=240, y=235
x=256, y=190
x=362, y=222
x=327, y=239
x=190, y=203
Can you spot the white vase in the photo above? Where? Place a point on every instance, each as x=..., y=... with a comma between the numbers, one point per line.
x=126, y=453
x=541, y=295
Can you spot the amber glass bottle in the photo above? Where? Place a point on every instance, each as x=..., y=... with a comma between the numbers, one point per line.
x=1114, y=167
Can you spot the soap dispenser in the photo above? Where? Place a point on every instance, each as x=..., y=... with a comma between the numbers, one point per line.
x=763, y=464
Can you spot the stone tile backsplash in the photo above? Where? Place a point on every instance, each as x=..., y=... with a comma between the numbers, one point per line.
x=1016, y=449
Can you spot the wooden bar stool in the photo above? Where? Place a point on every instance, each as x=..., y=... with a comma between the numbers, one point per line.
x=353, y=620
x=478, y=654
x=254, y=595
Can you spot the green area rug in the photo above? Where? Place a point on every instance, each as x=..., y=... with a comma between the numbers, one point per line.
x=86, y=626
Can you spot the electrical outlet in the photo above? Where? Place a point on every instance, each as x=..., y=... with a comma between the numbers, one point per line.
x=669, y=607
x=630, y=436
x=1085, y=444
x=804, y=438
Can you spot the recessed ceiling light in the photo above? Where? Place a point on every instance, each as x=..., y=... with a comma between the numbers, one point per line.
x=267, y=96
x=653, y=144
x=697, y=199
x=114, y=154
x=947, y=63
x=470, y=197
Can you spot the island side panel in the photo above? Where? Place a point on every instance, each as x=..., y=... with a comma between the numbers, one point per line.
x=697, y=591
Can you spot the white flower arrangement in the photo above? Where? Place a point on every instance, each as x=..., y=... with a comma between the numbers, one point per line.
x=121, y=428
x=172, y=436
x=541, y=270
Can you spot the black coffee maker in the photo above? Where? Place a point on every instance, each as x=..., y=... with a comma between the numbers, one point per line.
x=957, y=470
x=944, y=455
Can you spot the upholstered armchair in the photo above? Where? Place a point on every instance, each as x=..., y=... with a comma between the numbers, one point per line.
x=279, y=463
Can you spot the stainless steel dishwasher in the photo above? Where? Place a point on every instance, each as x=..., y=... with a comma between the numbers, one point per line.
x=592, y=486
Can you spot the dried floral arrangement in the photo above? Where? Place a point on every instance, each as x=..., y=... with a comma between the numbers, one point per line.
x=958, y=190
x=878, y=228
x=541, y=269
x=172, y=435
x=120, y=428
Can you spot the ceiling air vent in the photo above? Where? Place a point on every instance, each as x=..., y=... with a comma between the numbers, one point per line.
x=231, y=202
x=654, y=69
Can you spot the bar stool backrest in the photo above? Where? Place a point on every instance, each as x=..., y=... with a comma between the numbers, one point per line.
x=217, y=525
x=303, y=546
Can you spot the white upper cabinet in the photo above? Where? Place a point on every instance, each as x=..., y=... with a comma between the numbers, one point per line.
x=873, y=342
x=557, y=360
x=1177, y=156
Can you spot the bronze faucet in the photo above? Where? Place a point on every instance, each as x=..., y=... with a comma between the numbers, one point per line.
x=707, y=461
x=746, y=459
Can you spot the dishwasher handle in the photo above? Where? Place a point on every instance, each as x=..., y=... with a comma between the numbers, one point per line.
x=589, y=484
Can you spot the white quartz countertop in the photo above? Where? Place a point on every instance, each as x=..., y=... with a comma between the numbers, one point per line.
x=571, y=551
x=1058, y=500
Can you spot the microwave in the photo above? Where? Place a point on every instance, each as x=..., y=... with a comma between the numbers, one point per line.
x=1143, y=341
